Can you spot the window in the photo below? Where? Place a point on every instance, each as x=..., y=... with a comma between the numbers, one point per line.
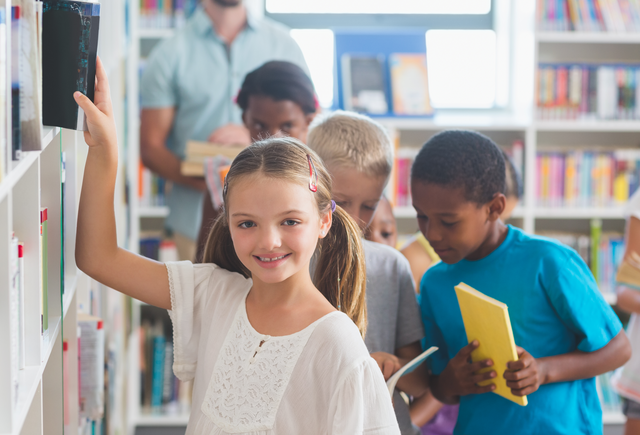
x=462, y=68
x=379, y=6
x=467, y=61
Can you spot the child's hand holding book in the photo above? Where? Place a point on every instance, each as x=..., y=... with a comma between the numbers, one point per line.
x=461, y=376
x=525, y=375
x=102, y=128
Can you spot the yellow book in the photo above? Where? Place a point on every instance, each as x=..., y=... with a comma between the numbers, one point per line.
x=487, y=320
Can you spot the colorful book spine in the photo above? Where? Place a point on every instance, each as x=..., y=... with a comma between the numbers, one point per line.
x=163, y=14
x=588, y=15
x=152, y=189
x=586, y=178
x=585, y=91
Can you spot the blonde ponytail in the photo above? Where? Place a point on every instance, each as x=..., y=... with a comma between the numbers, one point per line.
x=340, y=273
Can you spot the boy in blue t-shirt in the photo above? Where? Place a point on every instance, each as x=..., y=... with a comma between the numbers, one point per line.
x=566, y=332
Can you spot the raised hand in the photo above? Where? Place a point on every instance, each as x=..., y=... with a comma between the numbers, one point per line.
x=102, y=128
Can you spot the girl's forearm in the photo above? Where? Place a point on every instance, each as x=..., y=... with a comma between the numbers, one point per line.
x=583, y=365
x=96, y=240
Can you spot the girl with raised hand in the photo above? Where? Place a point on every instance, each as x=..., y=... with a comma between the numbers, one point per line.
x=270, y=352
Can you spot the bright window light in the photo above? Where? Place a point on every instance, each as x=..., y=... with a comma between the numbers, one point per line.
x=318, y=49
x=462, y=68
x=378, y=6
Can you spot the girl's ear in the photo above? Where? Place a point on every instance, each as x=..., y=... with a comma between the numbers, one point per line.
x=325, y=224
x=496, y=206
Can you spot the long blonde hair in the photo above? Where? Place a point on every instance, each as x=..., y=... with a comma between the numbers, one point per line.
x=340, y=273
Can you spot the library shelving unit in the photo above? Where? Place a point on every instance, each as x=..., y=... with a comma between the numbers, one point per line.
x=36, y=406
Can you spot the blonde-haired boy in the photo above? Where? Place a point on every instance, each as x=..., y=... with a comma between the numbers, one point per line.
x=359, y=156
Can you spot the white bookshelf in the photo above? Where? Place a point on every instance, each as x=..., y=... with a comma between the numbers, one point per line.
x=31, y=183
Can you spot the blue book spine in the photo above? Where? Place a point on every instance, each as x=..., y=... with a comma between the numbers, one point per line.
x=158, y=371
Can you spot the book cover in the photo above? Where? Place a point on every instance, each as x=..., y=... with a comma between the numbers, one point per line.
x=364, y=83
x=410, y=84
x=487, y=320
x=408, y=368
x=69, y=45
x=16, y=142
x=29, y=78
x=91, y=367
x=44, y=255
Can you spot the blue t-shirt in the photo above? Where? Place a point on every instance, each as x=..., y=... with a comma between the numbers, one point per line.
x=555, y=307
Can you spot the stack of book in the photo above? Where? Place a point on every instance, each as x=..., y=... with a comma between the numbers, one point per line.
x=587, y=91
x=586, y=178
x=603, y=253
x=589, y=15
x=197, y=152
x=165, y=14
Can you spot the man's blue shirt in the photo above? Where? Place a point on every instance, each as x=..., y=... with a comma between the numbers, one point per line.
x=555, y=307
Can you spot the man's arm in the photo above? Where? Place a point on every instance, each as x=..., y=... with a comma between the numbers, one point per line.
x=155, y=125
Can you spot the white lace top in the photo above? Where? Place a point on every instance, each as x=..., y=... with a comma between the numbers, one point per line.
x=320, y=380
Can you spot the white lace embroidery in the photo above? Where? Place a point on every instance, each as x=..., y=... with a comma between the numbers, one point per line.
x=250, y=376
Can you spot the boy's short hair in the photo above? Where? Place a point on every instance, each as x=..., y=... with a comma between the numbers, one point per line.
x=460, y=158
x=352, y=140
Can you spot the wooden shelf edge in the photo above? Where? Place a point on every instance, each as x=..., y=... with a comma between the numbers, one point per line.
x=588, y=37
x=154, y=211
x=161, y=420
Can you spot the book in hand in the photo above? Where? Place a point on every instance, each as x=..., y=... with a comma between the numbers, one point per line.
x=487, y=320
x=364, y=84
x=70, y=46
x=196, y=152
x=408, y=368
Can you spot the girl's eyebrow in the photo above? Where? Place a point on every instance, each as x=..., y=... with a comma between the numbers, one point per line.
x=280, y=214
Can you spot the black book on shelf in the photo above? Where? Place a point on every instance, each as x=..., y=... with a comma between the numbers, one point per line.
x=69, y=46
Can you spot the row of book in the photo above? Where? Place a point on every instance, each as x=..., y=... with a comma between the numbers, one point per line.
x=17, y=297
x=164, y=14
x=588, y=91
x=399, y=189
x=586, y=178
x=602, y=251
x=589, y=15
x=152, y=189
x=52, y=54
x=161, y=391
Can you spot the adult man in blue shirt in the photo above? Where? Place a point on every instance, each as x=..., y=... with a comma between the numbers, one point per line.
x=187, y=90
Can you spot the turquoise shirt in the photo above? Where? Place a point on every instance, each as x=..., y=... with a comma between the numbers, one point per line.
x=555, y=307
x=199, y=75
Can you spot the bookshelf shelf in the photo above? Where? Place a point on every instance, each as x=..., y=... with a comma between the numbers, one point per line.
x=589, y=37
x=476, y=120
x=162, y=420
x=153, y=212
x=579, y=213
x=69, y=293
x=612, y=126
x=155, y=33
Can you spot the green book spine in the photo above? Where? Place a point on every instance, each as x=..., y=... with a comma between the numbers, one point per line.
x=596, y=232
x=45, y=269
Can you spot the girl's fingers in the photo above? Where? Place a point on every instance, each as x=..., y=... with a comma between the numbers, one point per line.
x=475, y=379
x=525, y=391
x=481, y=390
x=85, y=103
